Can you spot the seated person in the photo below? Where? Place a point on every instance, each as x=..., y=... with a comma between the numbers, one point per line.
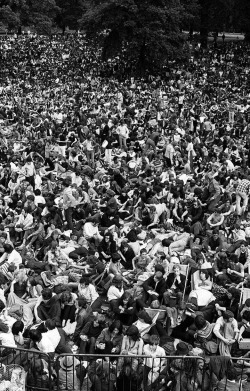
x=48, y=306
x=154, y=287
x=110, y=339
x=204, y=335
x=175, y=285
x=124, y=309
x=204, y=281
x=90, y=332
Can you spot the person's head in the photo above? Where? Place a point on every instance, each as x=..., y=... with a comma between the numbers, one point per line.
x=66, y=297
x=126, y=297
x=133, y=333
x=215, y=234
x=247, y=303
x=154, y=341
x=143, y=253
x=84, y=282
x=8, y=248
x=50, y=324
x=116, y=327
x=177, y=269
x=35, y=335
x=200, y=322
x=231, y=374
x=204, y=275
x=228, y=316
x=158, y=276
x=17, y=327
x=99, y=320
x=234, y=258
x=117, y=281
x=46, y=295
x=81, y=302
x=243, y=247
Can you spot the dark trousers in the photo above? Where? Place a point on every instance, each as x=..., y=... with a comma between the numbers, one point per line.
x=68, y=217
x=87, y=346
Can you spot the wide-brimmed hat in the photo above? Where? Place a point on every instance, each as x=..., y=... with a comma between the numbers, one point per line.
x=67, y=363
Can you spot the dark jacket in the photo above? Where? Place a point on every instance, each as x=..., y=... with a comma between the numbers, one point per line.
x=158, y=287
x=179, y=285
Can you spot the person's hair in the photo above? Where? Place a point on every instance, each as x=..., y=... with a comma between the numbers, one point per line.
x=176, y=266
x=66, y=297
x=126, y=295
x=46, y=294
x=154, y=339
x=234, y=258
x=204, y=272
x=82, y=302
x=2, y=305
x=117, y=324
x=231, y=373
x=35, y=335
x=133, y=333
x=145, y=316
x=17, y=327
x=8, y=248
x=85, y=280
x=37, y=192
x=200, y=322
x=50, y=324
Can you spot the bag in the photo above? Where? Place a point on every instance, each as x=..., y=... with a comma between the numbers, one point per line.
x=70, y=328
x=104, y=144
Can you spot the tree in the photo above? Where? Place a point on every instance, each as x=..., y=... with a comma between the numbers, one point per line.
x=70, y=10
x=148, y=32
x=9, y=18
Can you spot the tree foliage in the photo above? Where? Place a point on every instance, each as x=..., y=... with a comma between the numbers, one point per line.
x=150, y=30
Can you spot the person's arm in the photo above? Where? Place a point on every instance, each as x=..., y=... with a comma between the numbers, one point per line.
x=85, y=330
x=140, y=348
x=39, y=300
x=216, y=332
x=241, y=273
x=94, y=295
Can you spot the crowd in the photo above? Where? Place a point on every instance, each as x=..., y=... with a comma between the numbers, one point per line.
x=124, y=215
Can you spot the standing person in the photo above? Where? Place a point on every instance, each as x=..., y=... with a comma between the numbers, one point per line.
x=226, y=329
x=123, y=134
x=214, y=192
x=68, y=202
x=242, y=193
x=30, y=171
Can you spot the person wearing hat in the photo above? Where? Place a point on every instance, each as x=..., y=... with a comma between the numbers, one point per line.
x=68, y=376
x=226, y=329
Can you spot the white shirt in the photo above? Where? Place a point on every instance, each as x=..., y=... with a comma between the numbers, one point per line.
x=54, y=337
x=45, y=345
x=88, y=292
x=152, y=361
x=114, y=293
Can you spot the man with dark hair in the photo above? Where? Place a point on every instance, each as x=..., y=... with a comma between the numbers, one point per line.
x=48, y=307
x=57, y=337
x=84, y=314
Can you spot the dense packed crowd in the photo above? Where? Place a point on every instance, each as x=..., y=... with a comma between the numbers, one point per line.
x=124, y=216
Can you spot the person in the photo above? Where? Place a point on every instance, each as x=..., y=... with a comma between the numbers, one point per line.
x=90, y=332
x=154, y=287
x=67, y=373
x=83, y=314
x=132, y=345
x=48, y=307
x=110, y=339
x=175, y=284
x=226, y=329
x=155, y=361
x=87, y=290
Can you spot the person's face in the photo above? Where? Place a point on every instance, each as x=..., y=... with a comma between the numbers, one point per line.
x=202, y=276
x=116, y=331
x=154, y=346
x=177, y=271
x=96, y=323
x=242, y=247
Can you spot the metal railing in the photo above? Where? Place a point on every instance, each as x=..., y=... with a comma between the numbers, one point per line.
x=75, y=372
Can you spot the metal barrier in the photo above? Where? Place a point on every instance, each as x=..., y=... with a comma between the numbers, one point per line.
x=73, y=372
